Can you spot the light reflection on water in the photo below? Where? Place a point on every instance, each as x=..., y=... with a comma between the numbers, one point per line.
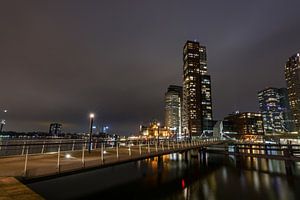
x=179, y=177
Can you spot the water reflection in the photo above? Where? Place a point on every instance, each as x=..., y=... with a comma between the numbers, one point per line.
x=184, y=176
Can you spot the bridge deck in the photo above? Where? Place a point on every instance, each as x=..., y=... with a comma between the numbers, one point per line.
x=48, y=164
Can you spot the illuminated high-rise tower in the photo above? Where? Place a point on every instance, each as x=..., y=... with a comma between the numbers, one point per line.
x=173, y=107
x=197, y=103
x=292, y=77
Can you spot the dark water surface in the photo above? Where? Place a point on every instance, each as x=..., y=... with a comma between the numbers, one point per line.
x=177, y=177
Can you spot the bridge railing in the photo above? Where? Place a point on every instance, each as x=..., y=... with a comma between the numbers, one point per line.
x=288, y=151
x=37, y=158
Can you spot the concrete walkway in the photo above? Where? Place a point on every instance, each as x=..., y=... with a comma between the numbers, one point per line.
x=12, y=189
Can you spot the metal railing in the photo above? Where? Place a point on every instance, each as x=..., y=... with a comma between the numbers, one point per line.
x=39, y=158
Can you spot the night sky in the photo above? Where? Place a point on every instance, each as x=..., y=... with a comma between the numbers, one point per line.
x=62, y=59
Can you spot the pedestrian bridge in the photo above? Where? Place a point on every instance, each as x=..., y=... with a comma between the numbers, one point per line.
x=38, y=158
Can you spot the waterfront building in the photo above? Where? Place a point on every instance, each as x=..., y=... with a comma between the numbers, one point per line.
x=243, y=124
x=271, y=109
x=155, y=130
x=55, y=129
x=292, y=77
x=173, y=106
x=197, y=117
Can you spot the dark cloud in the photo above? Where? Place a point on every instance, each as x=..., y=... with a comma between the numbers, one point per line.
x=62, y=59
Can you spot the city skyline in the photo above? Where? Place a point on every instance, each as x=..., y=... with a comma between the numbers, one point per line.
x=53, y=71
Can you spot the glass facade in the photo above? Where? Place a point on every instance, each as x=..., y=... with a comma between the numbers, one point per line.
x=292, y=77
x=173, y=106
x=197, y=104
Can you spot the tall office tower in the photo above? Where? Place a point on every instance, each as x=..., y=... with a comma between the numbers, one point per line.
x=197, y=104
x=270, y=108
x=173, y=106
x=292, y=77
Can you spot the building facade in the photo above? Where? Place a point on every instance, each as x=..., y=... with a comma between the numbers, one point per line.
x=55, y=129
x=246, y=123
x=286, y=110
x=270, y=106
x=292, y=77
x=197, y=102
x=173, y=106
x=154, y=130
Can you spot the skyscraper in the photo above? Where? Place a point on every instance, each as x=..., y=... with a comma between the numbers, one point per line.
x=173, y=106
x=286, y=110
x=271, y=110
x=197, y=103
x=292, y=77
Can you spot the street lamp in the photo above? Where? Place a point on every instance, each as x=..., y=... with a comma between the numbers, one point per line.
x=2, y=123
x=91, y=131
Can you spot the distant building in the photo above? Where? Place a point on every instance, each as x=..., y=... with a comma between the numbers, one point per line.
x=173, y=106
x=275, y=110
x=286, y=110
x=292, y=77
x=246, y=123
x=55, y=129
x=197, y=104
x=154, y=130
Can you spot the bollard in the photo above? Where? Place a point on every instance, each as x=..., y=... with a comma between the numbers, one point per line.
x=156, y=147
x=162, y=145
x=148, y=147
x=169, y=145
x=173, y=145
x=129, y=150
x=26, y=161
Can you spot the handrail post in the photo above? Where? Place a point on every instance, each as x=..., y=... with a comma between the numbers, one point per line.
x=117, y=147
x=140, y=148
x=58, y=157
x=82, y=157
x=73, y=146
x=26, y=162
x=129, y=150
x=102, y=152
x=23, y=149
x=43, y=147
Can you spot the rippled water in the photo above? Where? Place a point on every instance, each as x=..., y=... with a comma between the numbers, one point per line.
x=178, y=176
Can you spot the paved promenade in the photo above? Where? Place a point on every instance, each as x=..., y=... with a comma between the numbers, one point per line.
x=12, y=189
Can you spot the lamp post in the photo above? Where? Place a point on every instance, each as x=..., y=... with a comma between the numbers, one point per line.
x=91, y=131
x=2, y=123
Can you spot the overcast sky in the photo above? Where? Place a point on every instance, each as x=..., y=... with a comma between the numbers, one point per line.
x=62, y=59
